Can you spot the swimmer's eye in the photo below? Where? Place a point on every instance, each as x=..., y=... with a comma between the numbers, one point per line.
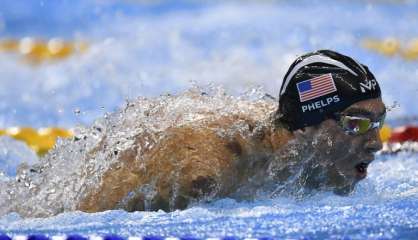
x=358, y=125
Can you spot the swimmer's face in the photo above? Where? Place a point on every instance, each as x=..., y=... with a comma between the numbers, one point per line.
x=343, y=158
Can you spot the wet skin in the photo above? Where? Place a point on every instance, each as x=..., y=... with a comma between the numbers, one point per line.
x=339, y=160
x=194, y=163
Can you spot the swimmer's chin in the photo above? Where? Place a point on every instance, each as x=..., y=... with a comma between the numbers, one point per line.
x=346, y=188
x=343, y=185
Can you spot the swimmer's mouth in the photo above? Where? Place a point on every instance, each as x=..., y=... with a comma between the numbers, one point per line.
x=361, y=169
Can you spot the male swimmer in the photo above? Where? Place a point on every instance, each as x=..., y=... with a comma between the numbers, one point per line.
x=323, y=136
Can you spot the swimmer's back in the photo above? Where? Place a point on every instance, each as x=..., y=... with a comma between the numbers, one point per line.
x=187, y=163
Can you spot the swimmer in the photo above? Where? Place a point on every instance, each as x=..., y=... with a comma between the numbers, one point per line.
x=321, y=136
x=324, y=135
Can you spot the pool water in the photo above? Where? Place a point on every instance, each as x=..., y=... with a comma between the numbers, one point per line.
x=139, y=49
x=382, y=207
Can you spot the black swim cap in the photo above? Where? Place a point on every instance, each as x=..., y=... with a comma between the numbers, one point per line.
x=321, y=83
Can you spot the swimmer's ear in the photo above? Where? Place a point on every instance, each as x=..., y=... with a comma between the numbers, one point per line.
x=299, y=132
x=304, y=132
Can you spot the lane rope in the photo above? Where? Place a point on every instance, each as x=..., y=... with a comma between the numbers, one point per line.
x=37, y=51
x=116, y=237
x=392, y=47
x=42, y=140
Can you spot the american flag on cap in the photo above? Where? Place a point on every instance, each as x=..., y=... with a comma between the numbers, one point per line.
x=316, y=87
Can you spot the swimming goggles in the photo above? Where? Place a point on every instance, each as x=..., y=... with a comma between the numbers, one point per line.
x=358, y=125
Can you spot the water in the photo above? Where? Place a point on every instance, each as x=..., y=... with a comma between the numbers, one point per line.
x=237, y=45
x=70, y=171
x=12, y=153
x=150, y=50
x=383, y=206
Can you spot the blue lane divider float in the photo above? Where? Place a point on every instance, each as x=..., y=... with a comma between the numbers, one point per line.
x=114, y=237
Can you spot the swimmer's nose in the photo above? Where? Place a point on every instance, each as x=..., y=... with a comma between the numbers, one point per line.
x=374, y=143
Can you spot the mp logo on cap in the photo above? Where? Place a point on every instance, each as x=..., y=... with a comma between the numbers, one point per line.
x=368, y=85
